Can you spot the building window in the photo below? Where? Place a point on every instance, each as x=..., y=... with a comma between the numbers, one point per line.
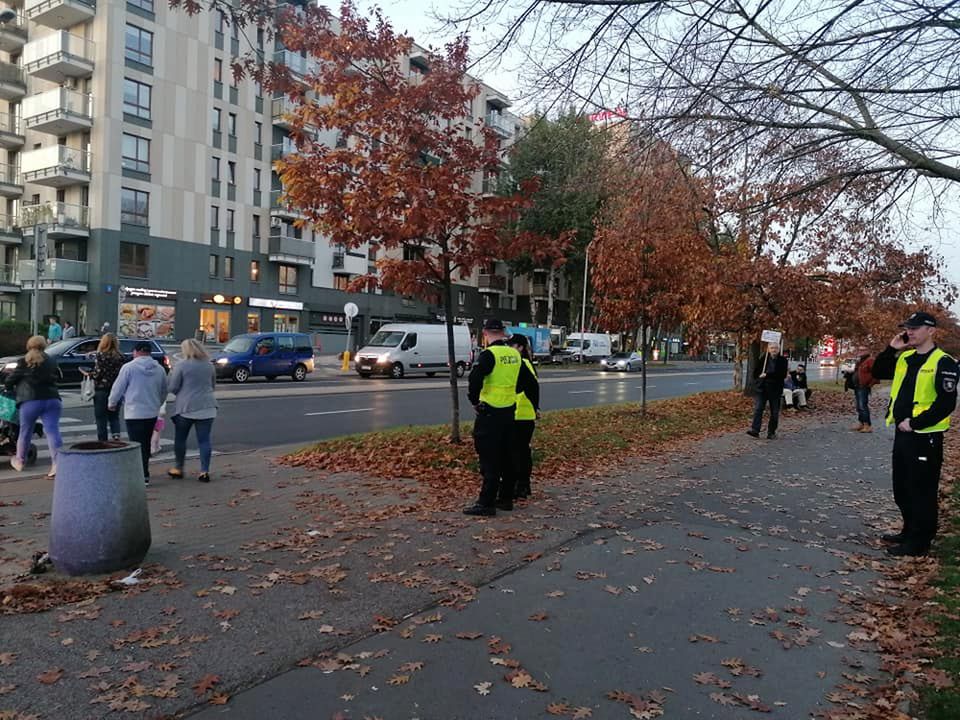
x=256, y=180
x=139, y=47
x=214, y=265
x=214, y=168
x=146, y=5
x=230, y=216
x=134, y=259
x=288, y=280
x=340, y=282
x=221, y=21
x=232, y=124
x=136, y=153
x=254, y=271
x=214, y=217
x=136, y=98
x=215, y=119
x=461, y=297
x=228, y=267
x=134, y=207
x=217, y=70
x=256, y=226
x=231, y=172
x=258, y=132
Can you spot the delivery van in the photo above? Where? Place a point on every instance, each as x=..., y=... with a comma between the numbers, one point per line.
x=399, y=349
x=594, y=346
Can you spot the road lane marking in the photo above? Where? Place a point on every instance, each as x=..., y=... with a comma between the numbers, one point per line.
x=337, y=412
x=640, y=387
x=580, y=392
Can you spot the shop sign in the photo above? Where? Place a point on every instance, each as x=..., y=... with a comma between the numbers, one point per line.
x=275, y=304
x=221, y=299
x=147, y=293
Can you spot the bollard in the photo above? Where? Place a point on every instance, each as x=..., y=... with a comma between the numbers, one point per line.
x=346, y=360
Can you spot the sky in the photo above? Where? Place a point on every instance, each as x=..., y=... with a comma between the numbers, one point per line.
x=415, y=17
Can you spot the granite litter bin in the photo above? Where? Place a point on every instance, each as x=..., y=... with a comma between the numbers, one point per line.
x=99, y=522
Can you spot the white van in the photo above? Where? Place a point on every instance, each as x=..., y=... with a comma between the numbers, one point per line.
x=399, y=349
x=595, y=346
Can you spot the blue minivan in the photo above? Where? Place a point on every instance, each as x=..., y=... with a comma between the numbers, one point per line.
x=266, y=354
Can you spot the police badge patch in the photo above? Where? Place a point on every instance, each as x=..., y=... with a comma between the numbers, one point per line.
x=949, y=384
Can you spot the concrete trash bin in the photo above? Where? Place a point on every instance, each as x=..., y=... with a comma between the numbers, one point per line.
x=99, y=522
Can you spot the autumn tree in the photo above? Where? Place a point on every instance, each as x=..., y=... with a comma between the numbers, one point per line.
x=400, y=168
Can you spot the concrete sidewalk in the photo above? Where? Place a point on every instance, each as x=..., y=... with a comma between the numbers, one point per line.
x=707, y=586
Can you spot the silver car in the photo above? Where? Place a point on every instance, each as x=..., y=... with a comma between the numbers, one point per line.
x=628, y=361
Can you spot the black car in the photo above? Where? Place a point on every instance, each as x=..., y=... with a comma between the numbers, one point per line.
x=76, y=353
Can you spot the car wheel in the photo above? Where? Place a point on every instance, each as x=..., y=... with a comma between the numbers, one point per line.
x=241, y=375
x=271, y=378
x=300, y=373
x=396, y=371
x=461, y=369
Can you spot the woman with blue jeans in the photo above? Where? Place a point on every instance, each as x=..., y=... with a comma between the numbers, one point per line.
x=35, y=379
x=192, y=382
x=106, y=367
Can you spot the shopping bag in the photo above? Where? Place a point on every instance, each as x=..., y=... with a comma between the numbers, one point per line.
x=87, y=389
x=8, y=409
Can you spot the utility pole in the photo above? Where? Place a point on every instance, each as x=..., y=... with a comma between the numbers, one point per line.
x=40, y=259
x=583, y=306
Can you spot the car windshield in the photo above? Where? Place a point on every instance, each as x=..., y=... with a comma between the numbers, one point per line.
x=238, y=345
x=620, y=356
x=59, y=347
x=573, y=343
x=386, y=338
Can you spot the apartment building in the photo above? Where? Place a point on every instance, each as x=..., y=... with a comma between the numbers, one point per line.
x=148, y=169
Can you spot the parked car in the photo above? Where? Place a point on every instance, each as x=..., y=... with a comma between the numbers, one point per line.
x=398, y=349
x=77, y=353
x=628, y=361
x=268, y=354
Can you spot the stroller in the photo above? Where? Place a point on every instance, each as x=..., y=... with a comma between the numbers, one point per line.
x=10, y=429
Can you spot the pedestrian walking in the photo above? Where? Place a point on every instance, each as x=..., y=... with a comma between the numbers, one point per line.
x=192, y=382
x=768, y=377
x=922, y=397
x=106, y=366
x=524, y=423
x=35, y=380
x=861, y=380
x=105, y=328
x=69, y=331
x=494, y=382
x=54, y=331
x=141, y=386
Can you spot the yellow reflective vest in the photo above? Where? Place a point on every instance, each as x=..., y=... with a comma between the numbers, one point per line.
x=925, y=390
x=500, y=386
x=525, y=409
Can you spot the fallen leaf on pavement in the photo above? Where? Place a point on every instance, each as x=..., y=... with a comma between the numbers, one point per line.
x=205, y=684
x=50, y=676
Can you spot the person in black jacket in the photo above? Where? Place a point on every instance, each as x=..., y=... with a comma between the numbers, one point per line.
x=768, y=376
x=923, y=395
x=35, y=380
x=494, y=382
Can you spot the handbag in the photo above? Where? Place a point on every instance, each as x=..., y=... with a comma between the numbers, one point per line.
x=87, y=389
x=8, y=408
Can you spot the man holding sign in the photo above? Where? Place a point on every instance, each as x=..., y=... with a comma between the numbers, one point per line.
x=768, y=376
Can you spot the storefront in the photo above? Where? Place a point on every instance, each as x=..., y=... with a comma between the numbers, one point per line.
x=266, y=315
x=146, y=313
x=215, y=315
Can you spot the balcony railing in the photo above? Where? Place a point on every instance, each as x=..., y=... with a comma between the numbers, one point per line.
x=338, y=260
x=56, y=161
x=10, y=124
x=13, y=81
x=60, y=13
x=9, y=174
x=63, y=216
x=279, y=150
x=9, y=275
x=13, y=34
x=294, y=62
x=280, y=110
x=287, y=248
x=59, y=111
x=9, y=224
x=57, y=272
x=279, y=207
x=492, y=282
x=60, y=54
x=499, y=124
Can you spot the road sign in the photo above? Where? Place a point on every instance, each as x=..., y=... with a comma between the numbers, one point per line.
x=351, y=310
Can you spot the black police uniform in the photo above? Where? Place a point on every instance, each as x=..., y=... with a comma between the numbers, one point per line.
x=917, y=456
x=492, y=432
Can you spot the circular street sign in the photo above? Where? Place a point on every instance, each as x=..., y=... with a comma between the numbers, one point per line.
x=351, y=310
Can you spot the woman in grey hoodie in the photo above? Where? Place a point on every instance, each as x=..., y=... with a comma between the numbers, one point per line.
x=192, y=381
x=142, y=387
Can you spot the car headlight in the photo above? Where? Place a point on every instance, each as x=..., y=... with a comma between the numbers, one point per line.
x=383, y=358
x=10, y=366
x=222, y=361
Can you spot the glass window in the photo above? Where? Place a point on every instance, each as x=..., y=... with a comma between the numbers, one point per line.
x=217, y=70
x=136, y=98
x=214, y=265
x=134, y=259
x=253, y=323
x=228, y=267
x=142, y=4
x=286, y=342
x=258, y=132
x=230, y=216
x=255, y=271
x=256, y=179
x=340, y=282
x=231, y=172
x=264, y=346
x=215, y=119
x=215, y=168
x=221, y=21
x=214, y=217
x=288, y=280
x=134, y=207
x=232, y=123
x=136, y=153
x=256, y=226
x=139, y=45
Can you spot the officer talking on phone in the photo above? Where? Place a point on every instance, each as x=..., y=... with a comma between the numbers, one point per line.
x=922, y=397
x=494, y=382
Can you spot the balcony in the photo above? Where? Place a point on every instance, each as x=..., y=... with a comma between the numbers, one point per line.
x=280, y=150
x=59, y=112
x=9, y=230
x=63, y=220
x=13, y=81
x=11, y=185
x=281, y=109
x=11, y=131
x=56, y=166
x=13, y=35
x=58, y=274
x=499, y=124
x=9, y=278
x=60, y=14
x=538, y=291
x=298, y=65
x=287, y=249
x=339, y=259
x=492, y=283
x=59, y=56
x=278, y=208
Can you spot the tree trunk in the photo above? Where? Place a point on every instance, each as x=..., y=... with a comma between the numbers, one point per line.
x=738, y=363
x=643, y=364
x=550, y=277
x=451, y=352
x=753, y=353
x=533, y=300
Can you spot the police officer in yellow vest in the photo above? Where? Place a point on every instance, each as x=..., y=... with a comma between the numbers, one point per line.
x=524, y=423
x=494, y=382
x=922, y=397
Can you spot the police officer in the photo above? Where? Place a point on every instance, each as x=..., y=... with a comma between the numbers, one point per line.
x=524, y=423
x=492, y=389
x=922, y=397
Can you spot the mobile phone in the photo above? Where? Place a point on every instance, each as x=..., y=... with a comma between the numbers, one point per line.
x=904, y=337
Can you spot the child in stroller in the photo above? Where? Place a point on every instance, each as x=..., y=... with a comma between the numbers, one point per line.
x=10, y=428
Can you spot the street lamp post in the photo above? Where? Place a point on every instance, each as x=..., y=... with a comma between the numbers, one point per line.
x=583, y=306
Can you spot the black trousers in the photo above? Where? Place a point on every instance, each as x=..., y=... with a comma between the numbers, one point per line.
x=521, y=457
x=917, y=459
x=760, y=400
x=139, y=431
x=492, y=433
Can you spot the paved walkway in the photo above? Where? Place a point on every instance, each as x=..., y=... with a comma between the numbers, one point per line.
x=707, y=584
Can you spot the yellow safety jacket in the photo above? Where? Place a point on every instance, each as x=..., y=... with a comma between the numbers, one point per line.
x=500, y=386
x=925, y=390
x=525, y=409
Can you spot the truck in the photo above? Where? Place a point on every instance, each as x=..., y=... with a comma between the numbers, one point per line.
x=399, y=349
x=594, y=346
x=539, y=340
